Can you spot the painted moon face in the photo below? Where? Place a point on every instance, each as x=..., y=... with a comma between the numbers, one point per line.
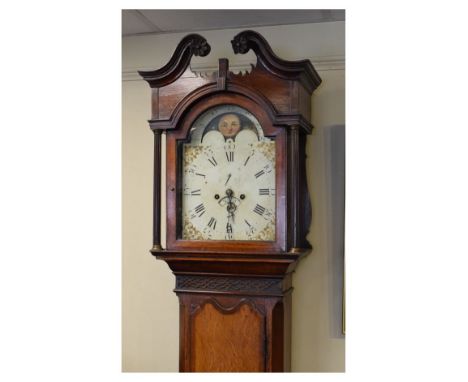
x=229, y=125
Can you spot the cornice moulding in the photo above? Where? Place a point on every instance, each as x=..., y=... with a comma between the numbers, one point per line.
x=321, y=64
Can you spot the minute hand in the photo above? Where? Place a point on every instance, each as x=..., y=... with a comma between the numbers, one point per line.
x=231, y=207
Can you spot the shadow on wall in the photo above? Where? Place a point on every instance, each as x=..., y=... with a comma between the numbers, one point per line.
x=334, y=147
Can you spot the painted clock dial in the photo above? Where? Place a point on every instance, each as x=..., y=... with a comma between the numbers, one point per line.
x=228, y=178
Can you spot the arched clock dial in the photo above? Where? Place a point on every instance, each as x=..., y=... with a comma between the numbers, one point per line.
x=228, y=178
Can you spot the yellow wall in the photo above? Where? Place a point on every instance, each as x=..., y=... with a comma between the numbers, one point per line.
x=150, y=308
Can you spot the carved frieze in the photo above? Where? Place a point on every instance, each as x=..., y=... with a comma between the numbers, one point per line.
x=231, y=284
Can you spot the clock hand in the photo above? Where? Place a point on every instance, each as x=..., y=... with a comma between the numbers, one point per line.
x=229, y=177
x=228, y=196
x=231, y=207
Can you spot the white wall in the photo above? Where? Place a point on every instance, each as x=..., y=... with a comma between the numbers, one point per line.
x=150, y=308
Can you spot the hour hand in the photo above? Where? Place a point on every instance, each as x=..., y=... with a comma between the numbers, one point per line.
x=229, y=177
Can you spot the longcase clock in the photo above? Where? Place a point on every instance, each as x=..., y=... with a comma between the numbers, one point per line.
x=238, y=207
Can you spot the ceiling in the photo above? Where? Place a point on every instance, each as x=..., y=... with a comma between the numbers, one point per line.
x=154, y=21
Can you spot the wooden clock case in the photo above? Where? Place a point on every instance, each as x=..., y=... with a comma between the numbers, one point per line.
x=235, y=296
